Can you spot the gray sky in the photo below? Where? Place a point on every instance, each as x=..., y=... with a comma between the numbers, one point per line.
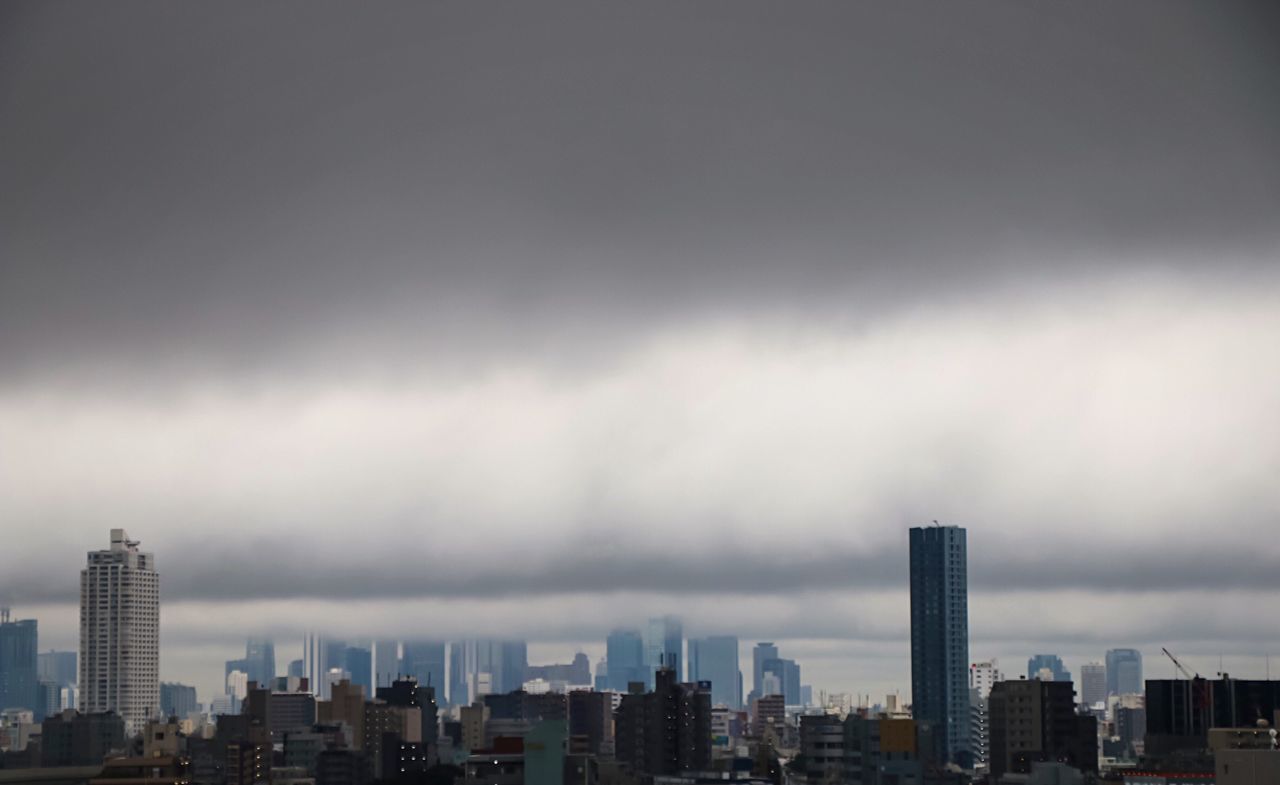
x=450, y=319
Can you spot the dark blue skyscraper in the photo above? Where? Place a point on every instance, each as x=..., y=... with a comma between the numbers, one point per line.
x=18, y=663
x=940, y=639
x=715, y=659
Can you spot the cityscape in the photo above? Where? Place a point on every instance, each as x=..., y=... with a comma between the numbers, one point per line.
x=660, y=392
x=658, y=706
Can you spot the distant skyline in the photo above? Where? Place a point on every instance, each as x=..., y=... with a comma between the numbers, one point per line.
x=432, y=322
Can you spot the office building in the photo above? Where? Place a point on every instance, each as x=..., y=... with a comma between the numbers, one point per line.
x=358, y=663
x=58, y=667
x=624, y=660
x=483, y=667
x=664, y=645
x=425, y=662
x=1047, y=667
x=120, y=633
x=386, y=662
x=715, y=660
x=177, y=700
x=1124, y=672
x=1036, y=721
x=1093, y=683
x=940, y=640
x=19, y=669
x=765, y=650
x=788, y=675
x=1180, y=712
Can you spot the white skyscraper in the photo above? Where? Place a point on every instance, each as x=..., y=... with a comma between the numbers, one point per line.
x=120, y=633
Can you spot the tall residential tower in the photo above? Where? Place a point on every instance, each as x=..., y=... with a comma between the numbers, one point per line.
x=940, y=639
x=120, y=633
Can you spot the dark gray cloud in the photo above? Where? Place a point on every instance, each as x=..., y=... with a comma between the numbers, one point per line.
x=198, y=189
x=817, y=272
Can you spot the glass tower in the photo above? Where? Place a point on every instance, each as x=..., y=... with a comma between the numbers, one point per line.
x=940, y=639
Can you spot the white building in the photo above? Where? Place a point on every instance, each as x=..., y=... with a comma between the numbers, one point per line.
x=983, y=676
x=120, y=633
x=1093, y=683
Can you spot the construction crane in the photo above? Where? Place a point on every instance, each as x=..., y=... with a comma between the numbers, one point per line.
x=1178, y=665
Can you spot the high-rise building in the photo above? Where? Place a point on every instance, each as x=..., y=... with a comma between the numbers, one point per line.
x=715, y=659
x=120, y=633
x=940, y=639
x=19, y=664
x=58, y=667
x=386, y=662
x=788, y=673
x=260, y=656
x=624, y=659
x=1124, y=672
x=424, y=661
x=177, y=700
x=1040, y=666
x=664, y=645
x=358, y=662
x=1093, y=683
x=765, y=650
x=483, y=667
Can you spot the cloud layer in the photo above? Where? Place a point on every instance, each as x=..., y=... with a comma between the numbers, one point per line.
x=550, y=320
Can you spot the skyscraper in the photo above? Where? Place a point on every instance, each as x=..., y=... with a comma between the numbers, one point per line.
x=1047, y=667
x=260, y=655
x=664, y=645
x=386, y=662
x=1124, y=672
x=624, y=659
x=765, y=650
x=485, y=667
x=715, y=659
x=120, y=632
x=424, y=661
x=940, y=638
x=788, y=675
x=1093, y=683
x=19, y=663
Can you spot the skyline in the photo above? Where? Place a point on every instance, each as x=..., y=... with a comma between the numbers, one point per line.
x=553, y=323
x=208, y=686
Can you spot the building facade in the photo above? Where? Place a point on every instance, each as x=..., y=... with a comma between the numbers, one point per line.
x=940, y=640
x=1124, y=672
x=1093, y=683
x=120, y=633
x=715, y=659
x=19, y=664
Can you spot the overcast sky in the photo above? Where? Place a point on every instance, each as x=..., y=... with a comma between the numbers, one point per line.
x=538, y=319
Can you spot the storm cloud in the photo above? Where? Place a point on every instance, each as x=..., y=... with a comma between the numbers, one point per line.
x=555, y=314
